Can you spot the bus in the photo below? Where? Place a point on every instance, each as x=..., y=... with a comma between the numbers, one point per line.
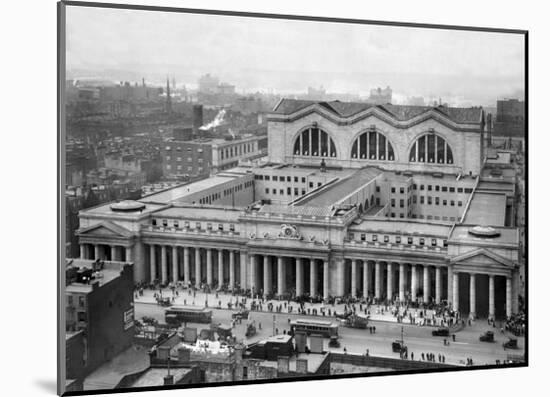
x=318, y=327
x=185, y=314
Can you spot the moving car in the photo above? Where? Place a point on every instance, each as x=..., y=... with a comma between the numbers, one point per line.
x=440, y=332
x=488, y=336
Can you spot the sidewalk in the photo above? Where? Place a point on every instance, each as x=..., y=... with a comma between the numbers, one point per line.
x=228, y=301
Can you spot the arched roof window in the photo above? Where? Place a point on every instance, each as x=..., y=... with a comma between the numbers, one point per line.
x=372, y=145
x=431, y=148
x=314, y=142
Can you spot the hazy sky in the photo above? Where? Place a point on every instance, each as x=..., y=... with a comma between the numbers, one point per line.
x=459, y=66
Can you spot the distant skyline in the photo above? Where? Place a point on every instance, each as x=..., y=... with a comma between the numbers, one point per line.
x=462, y=67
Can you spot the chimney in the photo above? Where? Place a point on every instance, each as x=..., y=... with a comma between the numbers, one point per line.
x=168, y=380
x=282, y=364
x=301, y=341
x=301, y=366
x=184, y=355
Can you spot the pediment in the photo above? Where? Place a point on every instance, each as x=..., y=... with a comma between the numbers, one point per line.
x=105, y=229
x=482, y=257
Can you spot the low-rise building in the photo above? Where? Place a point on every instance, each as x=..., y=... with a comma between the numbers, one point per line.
x=99, y=313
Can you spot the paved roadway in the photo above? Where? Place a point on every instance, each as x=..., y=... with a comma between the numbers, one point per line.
x=418, y=339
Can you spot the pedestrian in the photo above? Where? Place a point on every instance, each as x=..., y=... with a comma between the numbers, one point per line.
x=454, y=337
x=412, y=355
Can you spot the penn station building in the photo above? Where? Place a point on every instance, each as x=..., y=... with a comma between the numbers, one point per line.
x=397, y=203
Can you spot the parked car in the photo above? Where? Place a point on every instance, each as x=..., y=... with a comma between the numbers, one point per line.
x=334, y=342
x=511, y=344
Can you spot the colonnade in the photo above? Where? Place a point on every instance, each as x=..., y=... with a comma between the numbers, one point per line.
x=113, y=252
x=382, y=280
x=197, y=265
x=280, y=268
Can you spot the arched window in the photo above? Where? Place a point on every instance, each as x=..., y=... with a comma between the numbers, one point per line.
x=372, y=145
x=431, y=148
x=314, y=142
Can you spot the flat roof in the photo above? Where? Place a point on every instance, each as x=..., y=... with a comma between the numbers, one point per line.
x=508, y=235
x=105, y=209
x=111, y=270
x=410, y=226
x=155, y=376
x=314, y=361
x=278, y=338
x=180, y=192
x=201, y=212
x=308, y=321
x=496, y=186
x=487, y=209
x=340, y=189
x=296, y=210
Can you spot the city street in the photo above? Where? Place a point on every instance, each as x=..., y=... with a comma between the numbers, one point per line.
x=418, y=338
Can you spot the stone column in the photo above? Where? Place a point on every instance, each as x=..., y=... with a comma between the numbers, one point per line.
x=280, y=276
x=437, y=284
x=299, y=277
x=313, y=277
x=209, y=266
x=508, y=296
x=83, y=251
x=153, y=263
x=325, y=279
x=455, y=292
x=220, y=268
x=390, y=282
x=354, y=278
x=341, y=272
x=164, y=266
x=243, y=265
x=252, y=272
x=491, y=296
x=450, y=293
x=128, y=254
x=267, y=275
x=113, y=253
x=413, y=283
x=175, y=265
x=231, y=270
x=186, y=275
x=515, y=291
x=402, y=282
x=472, y=295
x=96, y=251
x=426, y=285
x=198, y=266
x=366, y=279
x=377, y=280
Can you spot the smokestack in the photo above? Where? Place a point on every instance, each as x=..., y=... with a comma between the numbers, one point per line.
x=168, y=98
x=197, y=118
